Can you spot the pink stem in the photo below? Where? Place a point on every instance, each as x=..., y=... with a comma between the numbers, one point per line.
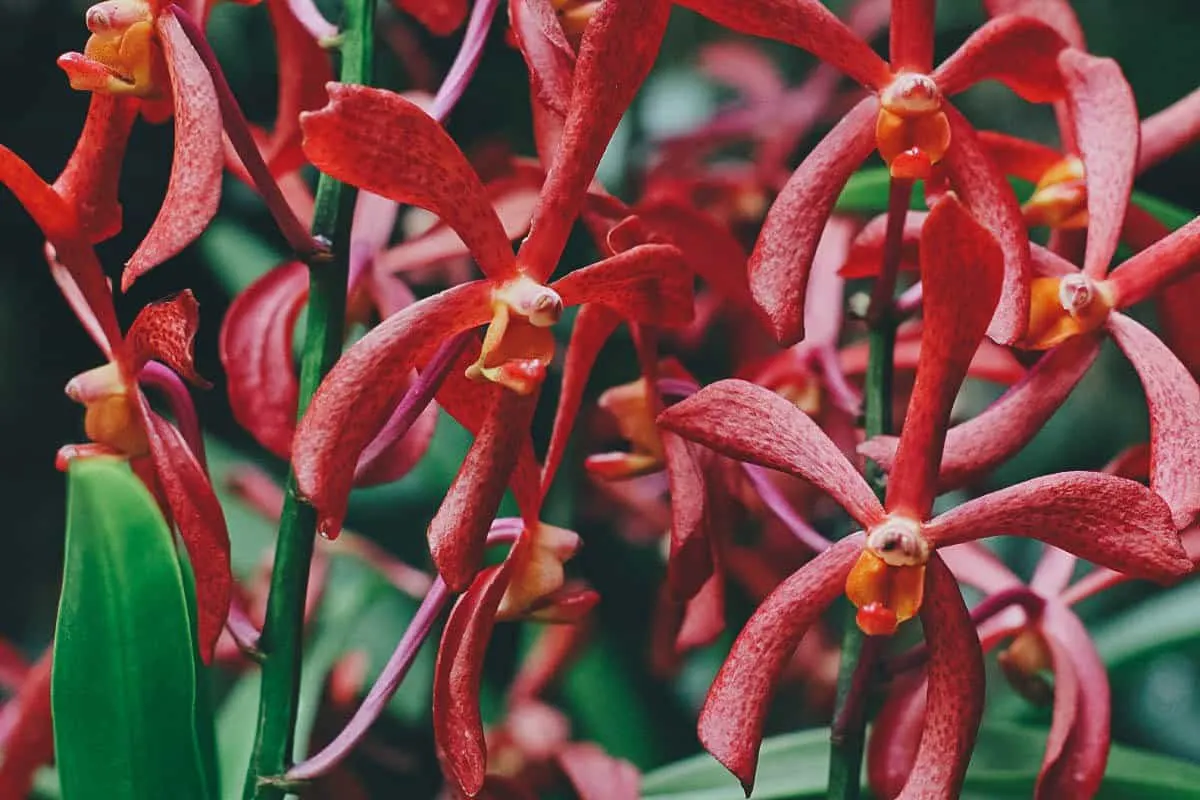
x=179, y=399
x=467, y=60
x=774, y=500
x=243, y=630
x=844, y=396
x=238, y=130
x=909, y=301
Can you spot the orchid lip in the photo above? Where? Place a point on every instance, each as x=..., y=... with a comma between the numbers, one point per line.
x=539, y=304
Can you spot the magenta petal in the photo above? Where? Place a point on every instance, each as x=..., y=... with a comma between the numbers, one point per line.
x=1019, y=52
x=979, y=445
x=731, y=722
x=1076, y=754
x=1166, y=133
x=595, y=775
x=779, y=267
x=1174, y=401
x=954, y=695
x=1106, y=130
x=750, y=423
x=1110, y=521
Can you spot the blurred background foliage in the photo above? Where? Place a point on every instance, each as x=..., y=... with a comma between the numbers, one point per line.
x=1154, y=649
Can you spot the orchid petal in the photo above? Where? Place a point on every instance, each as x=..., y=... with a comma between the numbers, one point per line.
x=1178, y=321
x=985, y=441
x=732, y=719
x=806, y=24
x=866, y=252
x=619, y=46
x=165, y=331
x=704, y=616
x=1019, y=52
x=1054, y=570
x=441, y=17
x=911, y=36
x=458, y=532
x=1020, y=157
x=782, y=258
x=745, y=68
x=457, y=725
x=1111, y=521
x=388, y=145
x=391, y=456
x=1107, y=134
x=649, y=283
x=895, y=736
x=595, y=775
x=1167, y=260
x=977, y=567
x=690, y=563
x=194, y=189
x=353, y=401
x=256, y=351
x=750, y=423
x=988, y=196
x=957, y=311
x=1169, y=131
x=201, y=523
x=89, y=181
x=954, y=694
x=1056, y=13
x=1077, y=750
x=547, y=53
x=825, y=296
x=28, y=735
x=1173, y=398
x=593, y=325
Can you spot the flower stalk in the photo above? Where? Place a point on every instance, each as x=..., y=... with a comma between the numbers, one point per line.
x=282, y=634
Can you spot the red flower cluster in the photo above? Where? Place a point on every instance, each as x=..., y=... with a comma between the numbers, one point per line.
x=771, y=259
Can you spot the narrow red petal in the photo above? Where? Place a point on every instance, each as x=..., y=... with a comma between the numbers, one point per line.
x=593, y=325
x=29, y=739
x=89, y=181
x=354, y=400
x=619, y=47
x=194, y=189
x=690, y=562
x=954, y=694
x=1056, y=13
x=750, y=423
x=1020, y=157
x=780, y=264
x=201, y=524
x=165, y=331
x=458, y=532
x=895, y=736
x=1107, y=520
x=984, y=442
x=1077, y=769
x=548, y=55
x=1169, y=131
x=1107, y=135
x=457, y=724
x=1020, y=52
x=256, y=351
x=386, y=144
x=987, y=195
x=962, y=270
x=732, y=719
x=806, y=24
x=595, y=775
x=1167, y=260
x=648, y=283
x=911, y=36
x=1174, y=401
x=709, y=247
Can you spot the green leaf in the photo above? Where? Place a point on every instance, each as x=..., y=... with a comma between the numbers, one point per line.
x=124, y=682
x=1163, y=622
x=867, y=193
x=1167, y=213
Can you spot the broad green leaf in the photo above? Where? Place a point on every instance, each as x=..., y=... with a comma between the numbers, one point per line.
x=124, y=681
x=1161, y=623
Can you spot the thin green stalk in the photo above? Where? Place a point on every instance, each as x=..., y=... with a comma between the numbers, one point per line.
x=282, y=637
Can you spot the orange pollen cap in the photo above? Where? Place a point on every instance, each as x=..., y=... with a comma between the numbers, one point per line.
x=911, y=94
x=897, y=541
x=1061, y=308
x=1060, y=198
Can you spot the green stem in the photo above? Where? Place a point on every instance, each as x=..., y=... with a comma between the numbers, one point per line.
x=282, y=637
x=860, y=652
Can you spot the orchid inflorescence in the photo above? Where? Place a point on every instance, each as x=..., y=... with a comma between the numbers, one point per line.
x=752, y=248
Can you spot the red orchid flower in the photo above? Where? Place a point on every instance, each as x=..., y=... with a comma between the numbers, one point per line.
x=1073, y=311
x=892, y=572
x=119, y=418
x=358, y=139
x=908, y=119
x=138, y=58
x=26, y=728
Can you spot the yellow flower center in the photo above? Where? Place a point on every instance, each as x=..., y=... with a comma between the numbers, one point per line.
x=911, y=131
x=887, y=582
x=1060, y=198
x=112, y=418
x=519, y=343
x=1060, y=308
x=123, y=55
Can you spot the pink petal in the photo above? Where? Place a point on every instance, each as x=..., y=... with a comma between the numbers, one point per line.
x=201, y=524
x=593, y=325
x=732, y=719
x=1020, y=52
x=979, y=445
x=704, y=616
x=256, y=351
x=823, y=306
x=745, y=68
x=987, y=195
x=354, y=400
x=911, y=36
x=648, y=283
x=1169, y=131
x=1106, y=130
x=954, y=696
x=89, y=181
x=458, y=532
x=750, y=423
x=619, y=47
x=780, y=264
x=1019, y=157
x=386, y=144
x=1166, y=260
x=961, y=269
x=194, y=189
x=806, y=24
x=548, y=54
x=595, y=775
x=1077, y=750
x=1053, y=572
x=1056, y=13
x=1174, y=401
x=977, y=567
x=1110, y=521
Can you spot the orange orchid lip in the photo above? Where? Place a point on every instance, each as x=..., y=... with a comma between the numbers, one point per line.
x=911, y=132
x=1064, y=307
